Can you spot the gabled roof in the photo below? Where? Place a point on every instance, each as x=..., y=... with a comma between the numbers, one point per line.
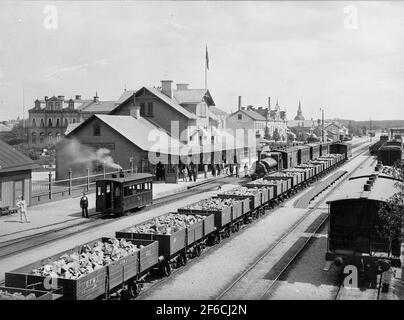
x=252, y=114
x=218, y=112
x=13, y=160
x=101, y=106
x=140, y=132
x=171, y=102
x=190, y=96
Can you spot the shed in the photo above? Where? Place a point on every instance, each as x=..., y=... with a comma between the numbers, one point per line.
x=15, y=175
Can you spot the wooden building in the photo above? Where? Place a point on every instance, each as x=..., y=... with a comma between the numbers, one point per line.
x=15, y=175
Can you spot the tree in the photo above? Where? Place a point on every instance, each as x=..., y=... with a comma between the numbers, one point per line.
x=290, y=137
x=17, y=135
x=391, y=213
x=276, y=136
x=267, y=135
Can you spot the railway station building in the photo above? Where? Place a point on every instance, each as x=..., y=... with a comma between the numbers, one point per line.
x=148, y=126
x=15, y=175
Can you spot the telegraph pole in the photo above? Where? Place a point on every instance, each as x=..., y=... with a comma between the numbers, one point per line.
x=322, y=124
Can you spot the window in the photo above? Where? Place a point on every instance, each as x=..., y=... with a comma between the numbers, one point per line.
x=212, y=139
x=33, y=123
x=42, y=123
x=49, y=122
x=66, y=123
x=142, y=109
x=96, y=129
x=150, y=109
x=74, y=120
x=58, y=135
x=50, y=137
x=41, y=138
x=33, y=138
x=190, y=138
x=57, y=122
x=239, y=117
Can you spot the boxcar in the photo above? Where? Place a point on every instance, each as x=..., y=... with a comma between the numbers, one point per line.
x=303, y=154
x=289, y=157
x=123, y=194
x=352, y=237
x=389, y=155
x=341, y=148
x=324, y=148
x=314, y=150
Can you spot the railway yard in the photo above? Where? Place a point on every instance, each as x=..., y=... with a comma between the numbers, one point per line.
x=274, y=251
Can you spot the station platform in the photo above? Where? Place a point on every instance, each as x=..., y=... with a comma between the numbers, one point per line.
x=67, y=212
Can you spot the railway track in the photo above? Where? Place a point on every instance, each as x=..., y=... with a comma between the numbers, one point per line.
x=22, y=244
x=317, y=224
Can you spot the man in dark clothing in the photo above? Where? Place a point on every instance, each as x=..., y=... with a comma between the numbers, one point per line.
x=84, y=205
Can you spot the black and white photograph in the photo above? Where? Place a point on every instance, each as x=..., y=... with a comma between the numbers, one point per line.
x=193, y=157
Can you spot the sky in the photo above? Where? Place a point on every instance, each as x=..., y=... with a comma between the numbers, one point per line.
x=345, y=57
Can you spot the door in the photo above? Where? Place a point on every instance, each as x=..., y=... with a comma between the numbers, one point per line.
x=108, y=195
x=18, y=190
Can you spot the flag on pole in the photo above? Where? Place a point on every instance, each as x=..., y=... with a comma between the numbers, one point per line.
x=207, y=58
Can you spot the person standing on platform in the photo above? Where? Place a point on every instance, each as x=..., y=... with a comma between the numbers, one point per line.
x=231, y=169
x=184, y=174
x=237, y=170
x=84, y=205
x=22, y=207
x=245, y=170
x=205, y=169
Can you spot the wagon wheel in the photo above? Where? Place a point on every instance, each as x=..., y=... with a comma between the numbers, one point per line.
x=134, y=289
x=181, y=260
x=165, y=268
x=217, y=239
x=125, y=295
x=197, y=251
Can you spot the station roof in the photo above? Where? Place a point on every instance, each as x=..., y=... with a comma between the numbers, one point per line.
x=13, y=160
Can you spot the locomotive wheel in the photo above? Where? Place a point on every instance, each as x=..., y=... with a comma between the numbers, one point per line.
x=165, y=268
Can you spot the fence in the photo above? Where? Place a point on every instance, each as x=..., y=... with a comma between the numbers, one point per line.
x=51, y=189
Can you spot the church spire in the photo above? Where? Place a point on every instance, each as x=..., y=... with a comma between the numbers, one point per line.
x=299, y=115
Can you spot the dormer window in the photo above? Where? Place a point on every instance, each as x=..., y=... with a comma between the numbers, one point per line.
x=239, y=117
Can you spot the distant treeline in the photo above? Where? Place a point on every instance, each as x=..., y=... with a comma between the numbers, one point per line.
x=376, y=124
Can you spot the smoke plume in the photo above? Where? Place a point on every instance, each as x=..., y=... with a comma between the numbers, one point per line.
x=82, y=154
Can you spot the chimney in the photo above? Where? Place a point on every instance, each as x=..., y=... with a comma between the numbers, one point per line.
x=166, y=88
x=182, y=86
x=46, y=98
x=134, y=111
x=78, y=97
x=269, y=103
x=96, y=98
x=239, y=102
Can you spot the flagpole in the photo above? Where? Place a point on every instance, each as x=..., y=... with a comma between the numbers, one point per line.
x=206, y=73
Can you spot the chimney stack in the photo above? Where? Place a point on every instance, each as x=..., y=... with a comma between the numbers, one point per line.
x=166, y=88
x=182, y=86
x=46, y=98
x=269, y=103
x=96, y=98
x=239, y=102
x=134, y=111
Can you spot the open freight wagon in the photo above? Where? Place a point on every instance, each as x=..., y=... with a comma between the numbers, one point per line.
x=102, y=282
x=176, y=247
x=226, y=219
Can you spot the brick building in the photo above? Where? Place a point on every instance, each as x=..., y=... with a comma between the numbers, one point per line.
x=49, y=118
